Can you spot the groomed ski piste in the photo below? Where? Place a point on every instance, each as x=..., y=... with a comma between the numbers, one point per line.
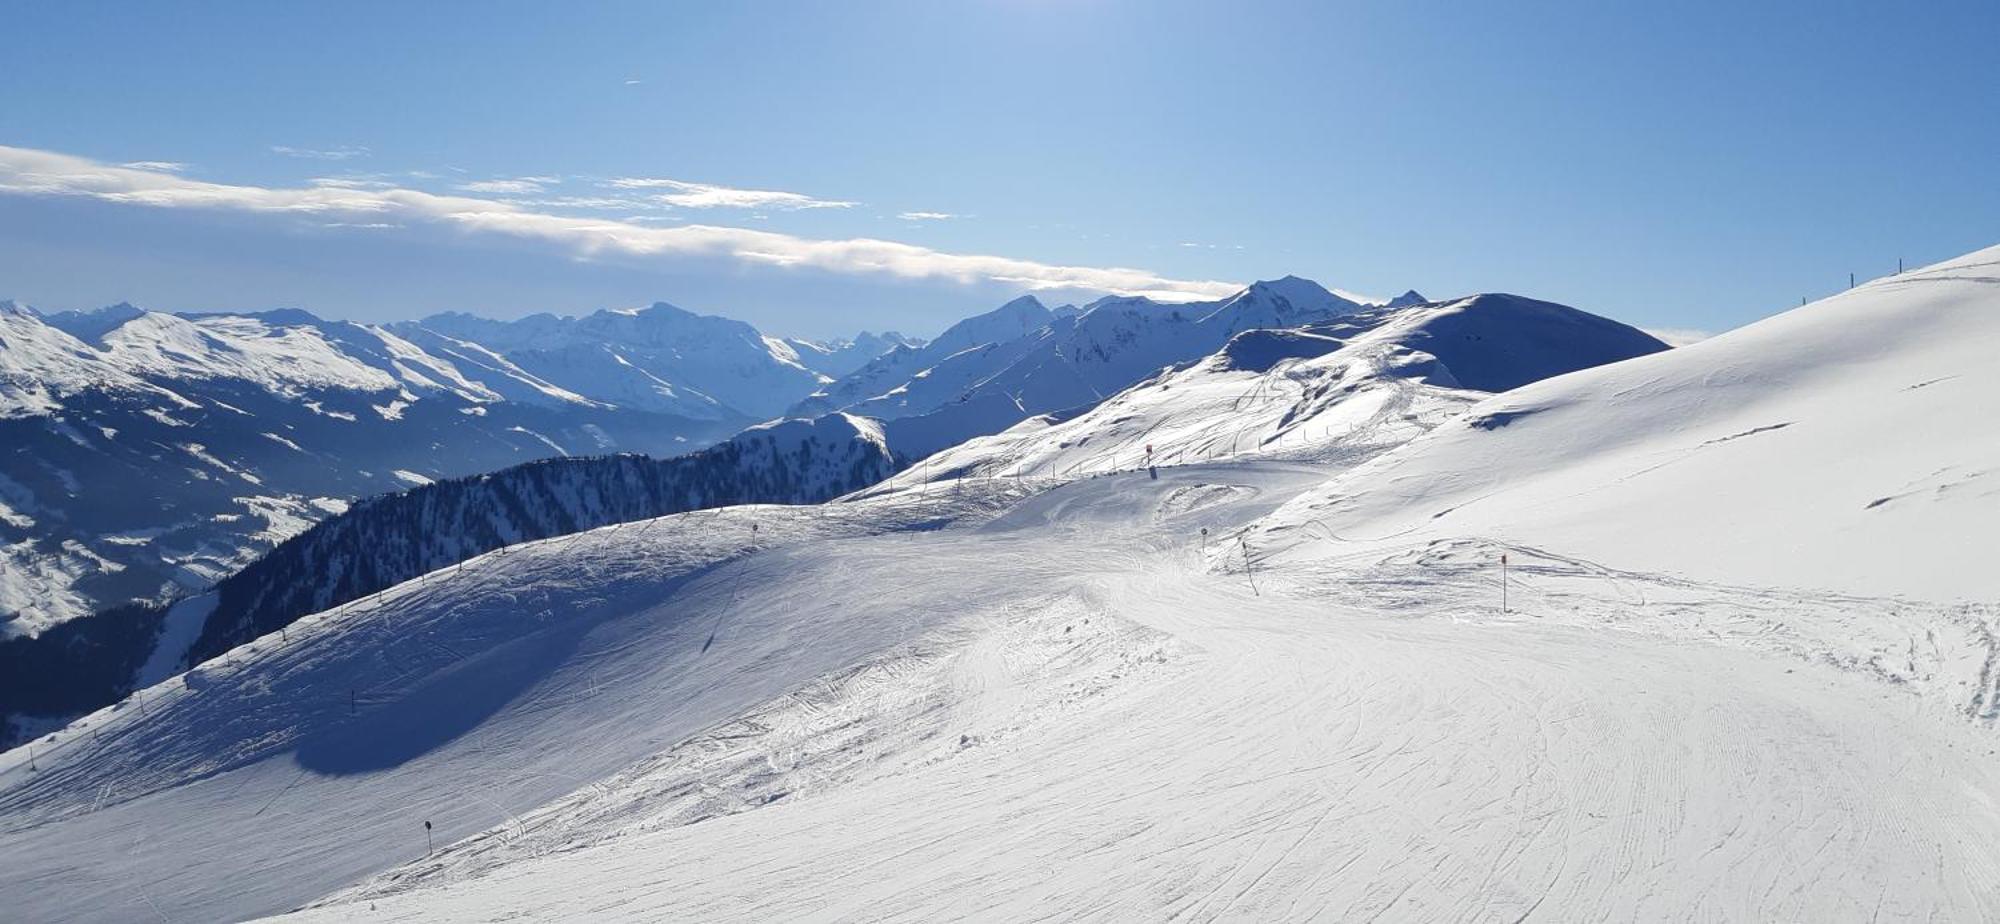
x=1745, y=670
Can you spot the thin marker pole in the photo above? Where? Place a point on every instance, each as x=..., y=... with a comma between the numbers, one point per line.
x=429, y=848
x=1503, y=582
x=1249, y=571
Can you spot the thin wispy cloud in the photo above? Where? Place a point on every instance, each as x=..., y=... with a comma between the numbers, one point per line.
x=926, y=216
x=688, y=195
x=596, y=203
x=29, y=172
x=518, y=186
x=351, y=182
x=339, y=153
x=157, y=166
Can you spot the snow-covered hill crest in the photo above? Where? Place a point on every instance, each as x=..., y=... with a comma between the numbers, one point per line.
x=1844, y=445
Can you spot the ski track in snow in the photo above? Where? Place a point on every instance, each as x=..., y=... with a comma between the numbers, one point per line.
x=1068, y=706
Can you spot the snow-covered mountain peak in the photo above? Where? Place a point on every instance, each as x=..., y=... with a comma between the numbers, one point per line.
x=1116, y=302
x=1408, y=298
x=1012, y=320
x=91, y=325
x=1298, y=291
x=275, y=317
x=657, y=311
x=1290, y=286
x=1278, y=303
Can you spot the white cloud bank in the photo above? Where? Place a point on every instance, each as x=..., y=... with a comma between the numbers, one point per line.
x=705, y=196
x=926, y=216
x=25, y=171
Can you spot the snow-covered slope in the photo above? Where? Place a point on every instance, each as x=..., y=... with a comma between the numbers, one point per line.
x=40, y=365
x=1208, y=694
x=1335, y=392
x=1847, y=445
x=386, y=540
x=1059, y=710
x=531, y=670
x=91, y=661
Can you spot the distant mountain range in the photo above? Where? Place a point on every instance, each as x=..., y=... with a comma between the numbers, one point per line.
x=1023, y=358
x=1333, y=391
x=152, y=454
x=155, y=453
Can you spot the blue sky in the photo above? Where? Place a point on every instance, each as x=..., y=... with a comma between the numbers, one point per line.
x=823, y=167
